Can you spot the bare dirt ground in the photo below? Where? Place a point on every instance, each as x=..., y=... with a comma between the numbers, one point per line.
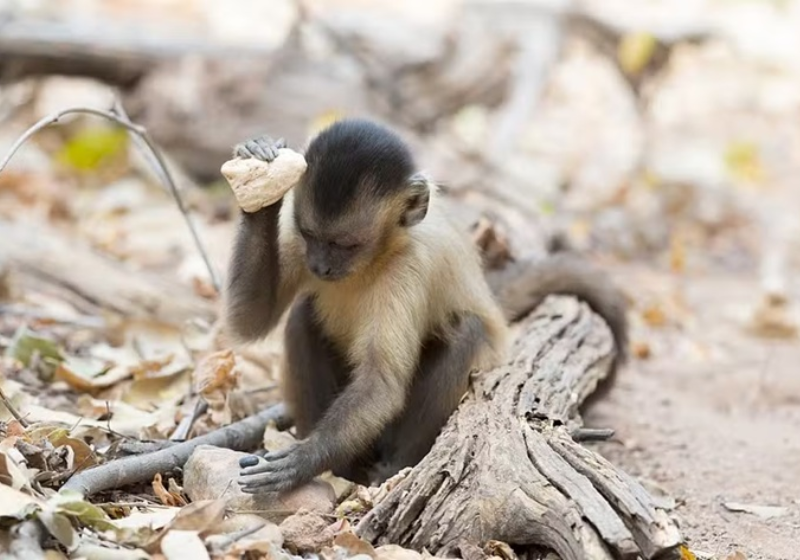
x=713, y=417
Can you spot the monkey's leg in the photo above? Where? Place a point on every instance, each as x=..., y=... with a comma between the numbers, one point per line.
x=441, y=381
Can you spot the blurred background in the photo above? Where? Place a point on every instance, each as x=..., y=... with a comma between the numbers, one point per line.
x=660, y=137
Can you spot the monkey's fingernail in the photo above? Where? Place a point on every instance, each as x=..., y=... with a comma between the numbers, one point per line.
x=249, y=461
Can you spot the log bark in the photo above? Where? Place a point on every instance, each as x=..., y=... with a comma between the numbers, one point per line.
x=506, y=467
x=94, y=282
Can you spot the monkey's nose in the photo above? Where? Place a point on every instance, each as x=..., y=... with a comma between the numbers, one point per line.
x=321, y=270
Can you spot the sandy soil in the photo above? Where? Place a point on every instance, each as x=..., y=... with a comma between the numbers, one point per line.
x=713, y=417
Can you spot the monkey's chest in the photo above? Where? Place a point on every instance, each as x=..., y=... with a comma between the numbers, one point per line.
x=342, y=316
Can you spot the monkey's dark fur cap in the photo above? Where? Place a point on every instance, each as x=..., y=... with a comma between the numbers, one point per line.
x=352, y=157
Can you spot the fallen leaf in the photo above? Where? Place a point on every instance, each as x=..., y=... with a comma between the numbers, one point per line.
x=677, y=252
x=501, y=549
x=157, y=368
x=687, y=554
x=93, y=147
x=267, y=539
x=641, y=350
x=324, y=120
x=635, y=51
x=24, y=346
x=201, y=517
x=83, y=455
x=91, y=551
x=743, y=161
x=353, y=544
x=151, y=393
x=764, y=512
x=204, y=288
x=89, y=375
x=177, y=545
x=72, y=504
x=216, y=372
x=654, y=315
x=58, y=525
x=165, y=496
x=773, y=319
x=148, y=519
x=16, y=504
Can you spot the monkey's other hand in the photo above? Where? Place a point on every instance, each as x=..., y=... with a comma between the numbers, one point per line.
x=262, y=171
x=279, y=471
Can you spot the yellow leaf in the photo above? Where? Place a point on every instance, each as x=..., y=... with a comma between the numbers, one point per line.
x=635, y=51
x=687, y=554
x=743, y=161
x=654, y=315
x=93, y=147
x=324, y=120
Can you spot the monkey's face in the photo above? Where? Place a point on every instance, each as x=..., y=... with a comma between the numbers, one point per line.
x=336, y=248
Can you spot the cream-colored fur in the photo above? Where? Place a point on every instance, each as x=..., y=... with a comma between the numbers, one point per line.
x=386, y=313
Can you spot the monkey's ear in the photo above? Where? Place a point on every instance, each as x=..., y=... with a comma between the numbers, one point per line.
x=416, y=204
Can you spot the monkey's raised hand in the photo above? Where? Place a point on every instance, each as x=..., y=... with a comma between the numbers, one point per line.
x=262, y=171
x=279, y=471
x=262, y=148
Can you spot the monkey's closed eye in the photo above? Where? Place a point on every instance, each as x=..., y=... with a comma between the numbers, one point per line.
x=346, y=246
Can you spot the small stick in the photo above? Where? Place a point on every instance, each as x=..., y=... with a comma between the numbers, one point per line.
x=182, y=430
x=132, y=504
x=141, y=133
x=84, y=321
x=5, y=400
x=592, y=434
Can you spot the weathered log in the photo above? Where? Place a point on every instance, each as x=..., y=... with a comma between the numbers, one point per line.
x=106, y=49
x=94, y=282
x=506, y=467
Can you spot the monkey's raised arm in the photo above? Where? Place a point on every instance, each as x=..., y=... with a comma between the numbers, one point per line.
x=262, y=279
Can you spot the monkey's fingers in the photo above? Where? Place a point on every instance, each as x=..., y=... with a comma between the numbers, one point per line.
x=278, y=481
x=279, y=453
x=268, y=465
x=241, y=151
x=260, y=149
x=249, y=461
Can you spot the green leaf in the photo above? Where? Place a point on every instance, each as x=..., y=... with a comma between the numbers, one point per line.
x=88, y=514
x=25, y=345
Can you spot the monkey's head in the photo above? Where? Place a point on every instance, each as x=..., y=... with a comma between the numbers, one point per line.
x=357, y=195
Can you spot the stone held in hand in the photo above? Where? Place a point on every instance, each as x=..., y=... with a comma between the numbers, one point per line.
x=257, y=184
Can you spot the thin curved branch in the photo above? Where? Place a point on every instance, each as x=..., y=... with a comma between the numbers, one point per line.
x=141, y=133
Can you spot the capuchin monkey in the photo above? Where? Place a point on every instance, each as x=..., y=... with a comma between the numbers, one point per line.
x=390, y=309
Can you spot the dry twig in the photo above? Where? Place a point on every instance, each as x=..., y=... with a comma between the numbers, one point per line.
x=244, y=435
x=139, y=132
